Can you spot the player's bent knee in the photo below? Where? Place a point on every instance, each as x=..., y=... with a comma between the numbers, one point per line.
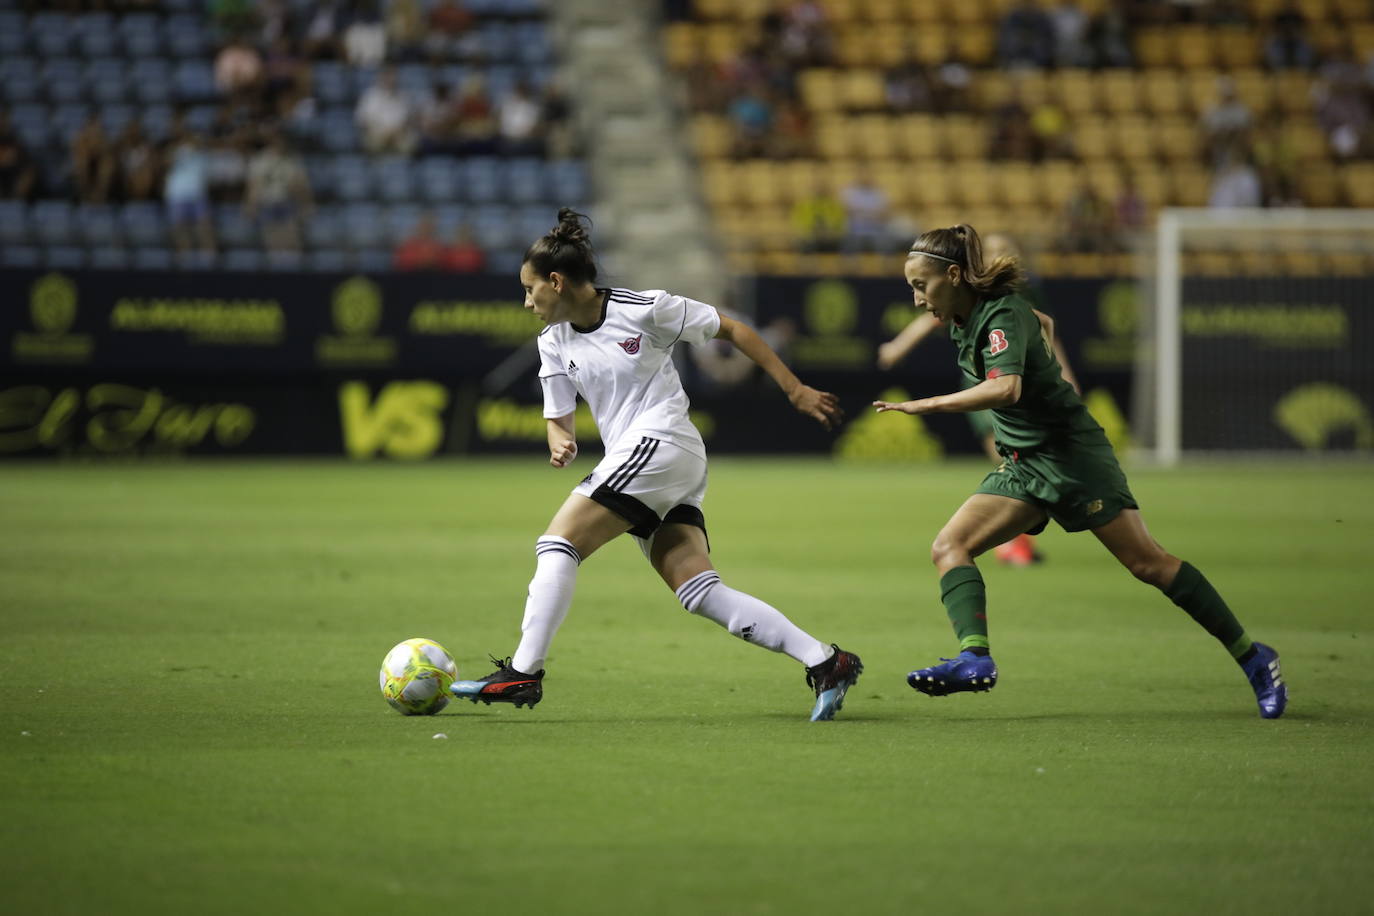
x=1152, y=570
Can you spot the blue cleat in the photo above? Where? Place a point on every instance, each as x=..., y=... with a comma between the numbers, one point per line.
x=1267, y=680
x=956, y=675
x=831, y=679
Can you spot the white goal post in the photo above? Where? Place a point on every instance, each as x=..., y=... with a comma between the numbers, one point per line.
x=1257, y=334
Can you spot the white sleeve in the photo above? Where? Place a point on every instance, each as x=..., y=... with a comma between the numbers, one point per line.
x=679, y=318
x=560, y=395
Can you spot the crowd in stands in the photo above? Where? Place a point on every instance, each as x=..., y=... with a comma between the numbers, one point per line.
x=291, y=86
x=758, y=90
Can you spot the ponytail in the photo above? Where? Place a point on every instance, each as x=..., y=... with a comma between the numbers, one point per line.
x=961, y=245
x=566, y=249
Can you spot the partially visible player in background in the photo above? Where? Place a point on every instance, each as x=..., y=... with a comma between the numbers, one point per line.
x=614, y=348
x=1057, y=463
x=1020, y=550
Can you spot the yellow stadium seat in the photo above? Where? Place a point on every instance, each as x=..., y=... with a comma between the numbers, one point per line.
x=1163, y=92
x=1178, y=139
x=1119, y=91
x=1307, y=140
x=1255, y=89
x=991, y=89
x=1201, y=88
x=1134, y=137
x=681, y=47
x=1238, y=46
x=862, y=90
x=976, y=44
x=877, y=136
x=931, y=43
x=713, y=9
x=1154, y=47
x=851, y=46
x=1193, y=46
x=1293, y=91
x=720, y=184
x=763, y=184
x=976, y=185
x=1359, y=184
x=965, y=136
x=1017, y=184
x=885, y=11
x=1093, y=139
x=1320, y=187
x=721, y=41
x=1192, y=185
x=1151, y=183
x=835, y=137
x=711, y=135
x=966, y=12
x=1076, y=91
x=841, y=11
x=1060, y=180
x=932, y=185
x=819, y=89
x=801, y=177
x=918, y=136
x=894, y=178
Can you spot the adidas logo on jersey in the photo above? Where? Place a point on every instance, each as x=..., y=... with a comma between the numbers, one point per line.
x=572, y=368
x=630, y=345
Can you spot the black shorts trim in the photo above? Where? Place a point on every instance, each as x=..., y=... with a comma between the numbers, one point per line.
x=643, y=519
x=689, y=515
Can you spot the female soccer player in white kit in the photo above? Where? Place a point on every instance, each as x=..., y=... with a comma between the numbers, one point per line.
x=614, y=348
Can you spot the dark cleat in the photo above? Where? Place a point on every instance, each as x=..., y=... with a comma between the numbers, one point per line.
x=1267, y=680
x=831, y=679
x=504, y=685
x=968, y=672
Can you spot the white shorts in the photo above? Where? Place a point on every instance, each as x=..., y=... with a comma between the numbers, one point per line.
x=647, y=483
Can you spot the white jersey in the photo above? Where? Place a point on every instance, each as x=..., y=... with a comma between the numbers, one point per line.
x=623, y=366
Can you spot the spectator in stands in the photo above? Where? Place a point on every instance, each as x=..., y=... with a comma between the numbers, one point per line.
x=805, y=40
x=186, y=192
x=1086, y=222
x=865, y=217
x=751, y=116
x=421, y=249
x=278, y=195
x=463, y=255
x=476, y=121
x=1288, y=46
x=907, y=86
x=818, y=220
x=139, y=163
x=1128, y=210
x=93, y=162
x=405, y=29
x=385, y=116
x=449, y=22
x=1070, y=25
x=1109, y=38
x=438, y=122
x=18, y=176
x=364, y=39
x=1012, y=135
x=1025, y=37
x=322, y=39
x=277, y=22
x=1226, y=122
x=238, y=71
x=560, y=138
x=1342, y=100
x=518, y=124
x=1235, y=183
x=791, y=137
x=286, y=78
x=1050, y=127
x=953, y=81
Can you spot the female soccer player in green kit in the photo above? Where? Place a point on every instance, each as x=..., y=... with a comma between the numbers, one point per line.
x=1056, y=463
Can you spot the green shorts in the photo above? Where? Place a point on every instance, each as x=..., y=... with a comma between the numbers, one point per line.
x=1079, y=484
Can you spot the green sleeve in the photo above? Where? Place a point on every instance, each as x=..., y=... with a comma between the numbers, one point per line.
x=1008, y=331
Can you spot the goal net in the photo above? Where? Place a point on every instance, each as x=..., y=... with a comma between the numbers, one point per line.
x=1257, y=334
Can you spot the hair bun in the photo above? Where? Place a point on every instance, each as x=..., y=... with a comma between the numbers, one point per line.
x=571, y=228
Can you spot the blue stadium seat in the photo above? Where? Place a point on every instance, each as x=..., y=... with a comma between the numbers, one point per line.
x=232, y=228
x=284, y=260
x=95, y=42
x=109, y=258
x=20, y=256
x=66, y=120
x=186, y=36
x=30, y=121
x=14, y=34
x=481, y=180
x=115, y=118
x=52, y=34
x=96, y=224
x=64, y=257
x=338, y=133
x=400, y=221
x=329, y=260
x=525, y=181
x=394, y=179
x=494, y=228
x=194, y=81
x=363, y=225
x=531, y=222
x=331, y=83
x=438, y=180
x=413, y=79
x=107, y=79
x=152, y=259
x=244, y=259
x=151, y=81
x=141, y=34
x=374, y=260
x=144, y=224
x=352, y=178
x=157, y=121
x=14, y=222
x=325, y=229
x=568, y=182
x=497, y=42
x=53, y=222
x=505, y=261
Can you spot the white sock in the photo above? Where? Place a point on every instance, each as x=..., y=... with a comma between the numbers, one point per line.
x=749, y=618
x=550, y=596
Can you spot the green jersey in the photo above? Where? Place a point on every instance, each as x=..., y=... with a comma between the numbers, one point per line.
x=1003, y=337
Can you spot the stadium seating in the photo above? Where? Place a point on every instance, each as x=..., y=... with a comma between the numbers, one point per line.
x=57, y=69
x=1138, y=124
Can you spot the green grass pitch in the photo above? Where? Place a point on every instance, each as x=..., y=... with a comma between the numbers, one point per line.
x=190, y=719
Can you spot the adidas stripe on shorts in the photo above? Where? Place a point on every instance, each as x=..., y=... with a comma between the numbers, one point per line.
x=647, y=481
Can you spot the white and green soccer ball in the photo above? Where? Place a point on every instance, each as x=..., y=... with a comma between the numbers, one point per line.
x=416, y=676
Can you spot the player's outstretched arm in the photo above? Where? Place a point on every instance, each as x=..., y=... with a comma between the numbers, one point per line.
x=822, y=406
x=994, y=392
x=562, y=441
x=895, y=350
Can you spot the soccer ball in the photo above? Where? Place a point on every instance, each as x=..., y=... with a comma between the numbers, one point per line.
x=416, y=676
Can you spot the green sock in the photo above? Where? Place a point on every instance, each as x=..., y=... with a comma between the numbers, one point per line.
x=1191, y=591
x=966, y=603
